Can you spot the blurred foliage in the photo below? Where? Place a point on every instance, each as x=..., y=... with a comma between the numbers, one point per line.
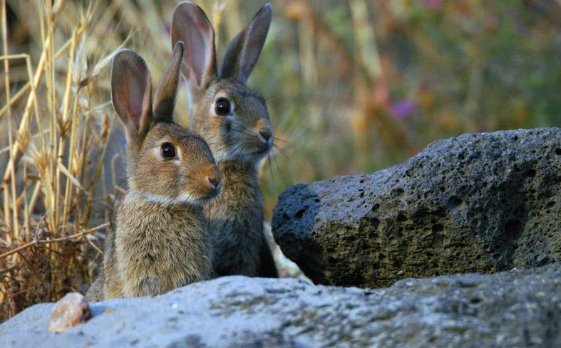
x=361, y=85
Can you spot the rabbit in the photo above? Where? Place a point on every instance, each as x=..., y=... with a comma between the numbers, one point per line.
x=234, y=121
x=161, y=239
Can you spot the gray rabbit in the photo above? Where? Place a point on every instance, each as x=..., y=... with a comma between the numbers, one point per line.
x=234, y=121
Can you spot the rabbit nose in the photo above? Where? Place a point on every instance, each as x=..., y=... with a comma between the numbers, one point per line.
x=213, y=180
x=213, y=177
x=265, y=134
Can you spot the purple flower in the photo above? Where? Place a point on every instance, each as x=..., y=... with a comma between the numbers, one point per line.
x=433, y=4
x=403, y=109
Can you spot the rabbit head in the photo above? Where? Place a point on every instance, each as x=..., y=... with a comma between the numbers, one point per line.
x=166, y=163
x=231, y=117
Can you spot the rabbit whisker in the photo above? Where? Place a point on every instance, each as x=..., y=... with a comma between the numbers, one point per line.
x=280, y=151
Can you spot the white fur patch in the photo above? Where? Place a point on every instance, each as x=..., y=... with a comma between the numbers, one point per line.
x=221, y=156
x=157, y=151
x=179, y=155
x=184, y=198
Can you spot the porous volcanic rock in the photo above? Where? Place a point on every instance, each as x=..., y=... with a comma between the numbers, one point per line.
x=475, y=203
x=520, y=308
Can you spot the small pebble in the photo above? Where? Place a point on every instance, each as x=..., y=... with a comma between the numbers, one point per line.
x=69, y=311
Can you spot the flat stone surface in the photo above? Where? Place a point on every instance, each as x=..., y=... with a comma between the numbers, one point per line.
x=520, y=308
x=476, y=203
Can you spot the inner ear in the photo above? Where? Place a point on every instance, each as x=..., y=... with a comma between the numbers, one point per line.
x=191, y=25
x=131, y=92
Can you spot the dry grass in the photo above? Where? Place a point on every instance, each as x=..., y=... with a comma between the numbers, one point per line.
x=56, y=126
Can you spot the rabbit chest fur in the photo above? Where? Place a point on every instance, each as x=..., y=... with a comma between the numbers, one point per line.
x=236, y=221
x=156, y=251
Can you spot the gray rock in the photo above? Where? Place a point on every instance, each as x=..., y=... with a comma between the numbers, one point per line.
x=476, y=203
x=512, y=309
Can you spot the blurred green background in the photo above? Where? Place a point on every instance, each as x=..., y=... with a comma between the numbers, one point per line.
x=355, y=86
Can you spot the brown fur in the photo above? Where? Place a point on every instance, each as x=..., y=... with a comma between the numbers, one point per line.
x=161, y=239
x=236, y=215
x=95, y=292
x=165, y=247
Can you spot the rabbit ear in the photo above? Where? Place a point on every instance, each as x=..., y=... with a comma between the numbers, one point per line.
x=131, y=93
x=191, y=25
x=164, y=100
x=243, y=51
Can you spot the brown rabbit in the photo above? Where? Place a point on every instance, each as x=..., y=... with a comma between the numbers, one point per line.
x=234, y=121
x=161, y=239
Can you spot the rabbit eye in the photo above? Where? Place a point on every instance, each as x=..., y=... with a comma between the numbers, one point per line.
x=222, y=107
x=168, y=151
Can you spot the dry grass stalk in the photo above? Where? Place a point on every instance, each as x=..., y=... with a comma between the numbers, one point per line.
x=58, y=126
